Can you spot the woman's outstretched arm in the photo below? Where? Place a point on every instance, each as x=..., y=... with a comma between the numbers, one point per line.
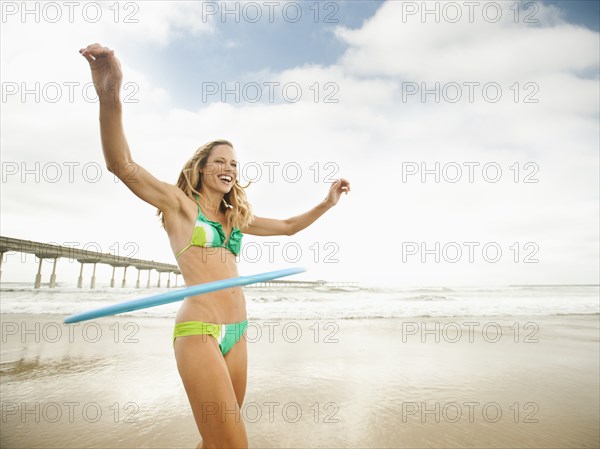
x=107, y=78
x=269, y=226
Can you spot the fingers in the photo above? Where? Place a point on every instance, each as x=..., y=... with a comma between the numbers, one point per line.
x=344, y=184
x=96, y=51
x=86, y=56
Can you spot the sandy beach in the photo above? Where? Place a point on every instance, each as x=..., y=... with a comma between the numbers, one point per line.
x=507, y=382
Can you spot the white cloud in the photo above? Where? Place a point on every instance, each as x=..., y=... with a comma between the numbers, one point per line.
x=425, y=50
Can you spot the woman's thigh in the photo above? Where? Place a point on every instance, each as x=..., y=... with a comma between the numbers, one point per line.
x=237, y=364
x=209, y=388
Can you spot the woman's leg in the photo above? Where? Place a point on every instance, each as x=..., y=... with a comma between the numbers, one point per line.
x=237, y=364
x=209, y=388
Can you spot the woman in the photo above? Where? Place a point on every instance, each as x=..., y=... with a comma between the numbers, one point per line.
x=205, y=216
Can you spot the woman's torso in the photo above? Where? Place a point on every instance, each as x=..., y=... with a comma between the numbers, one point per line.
x=199, y=265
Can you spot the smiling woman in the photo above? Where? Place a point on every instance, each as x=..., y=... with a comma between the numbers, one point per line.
x=214, y=167
x=205, y=216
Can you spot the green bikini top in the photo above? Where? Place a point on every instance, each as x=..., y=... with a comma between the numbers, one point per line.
x=208, y=233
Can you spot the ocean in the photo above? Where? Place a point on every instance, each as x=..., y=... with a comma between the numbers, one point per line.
x=326, y=302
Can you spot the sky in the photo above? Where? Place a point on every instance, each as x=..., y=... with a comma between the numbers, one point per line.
x=469, y=133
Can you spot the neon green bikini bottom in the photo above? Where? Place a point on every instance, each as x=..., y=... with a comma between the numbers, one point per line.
x=227, y=335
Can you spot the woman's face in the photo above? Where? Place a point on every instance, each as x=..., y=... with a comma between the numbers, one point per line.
x=220, y=171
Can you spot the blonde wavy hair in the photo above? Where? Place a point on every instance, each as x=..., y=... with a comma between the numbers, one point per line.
x=238, y=211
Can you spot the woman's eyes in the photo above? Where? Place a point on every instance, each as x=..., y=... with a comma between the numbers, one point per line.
x=222, y=162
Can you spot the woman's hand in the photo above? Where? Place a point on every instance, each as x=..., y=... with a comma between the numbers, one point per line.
x=106, y=71
x=335, y=191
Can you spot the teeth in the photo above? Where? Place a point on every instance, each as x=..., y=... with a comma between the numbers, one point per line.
x=225, y=178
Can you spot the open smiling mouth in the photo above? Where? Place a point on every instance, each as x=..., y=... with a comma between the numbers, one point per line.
x=226, y=179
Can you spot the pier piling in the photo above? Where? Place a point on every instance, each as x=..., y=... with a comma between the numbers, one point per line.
x=53, y=275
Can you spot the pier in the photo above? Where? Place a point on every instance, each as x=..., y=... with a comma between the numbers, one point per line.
x=54, y=252
x=45, y=251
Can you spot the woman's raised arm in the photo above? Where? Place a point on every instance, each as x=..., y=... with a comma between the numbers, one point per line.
x=270, y=226
x=107, y=78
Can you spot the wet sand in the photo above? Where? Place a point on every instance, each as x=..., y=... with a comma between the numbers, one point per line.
x=113, y=383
